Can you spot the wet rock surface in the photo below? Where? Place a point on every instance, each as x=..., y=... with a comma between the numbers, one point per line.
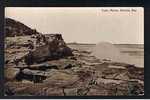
x=43, y=65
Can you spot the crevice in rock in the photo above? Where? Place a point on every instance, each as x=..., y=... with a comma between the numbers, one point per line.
x=63, y=89
x=33, y=78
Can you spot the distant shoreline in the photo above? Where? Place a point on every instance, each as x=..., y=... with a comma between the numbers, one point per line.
x=95, y=44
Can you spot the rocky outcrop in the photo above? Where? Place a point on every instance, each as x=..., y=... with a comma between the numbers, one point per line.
x=39, y=47
x=55, y=48
x=16, y=28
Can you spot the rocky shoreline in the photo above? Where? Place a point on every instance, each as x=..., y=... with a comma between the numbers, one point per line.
x=43, y=65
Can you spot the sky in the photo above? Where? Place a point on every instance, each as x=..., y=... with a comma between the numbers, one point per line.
x=118, y=25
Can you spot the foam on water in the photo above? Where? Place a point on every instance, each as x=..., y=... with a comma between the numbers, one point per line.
x=106, y=50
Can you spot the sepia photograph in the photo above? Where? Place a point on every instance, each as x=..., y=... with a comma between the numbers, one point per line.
x=74, y=51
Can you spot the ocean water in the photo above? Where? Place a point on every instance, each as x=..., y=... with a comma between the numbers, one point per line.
x=126, y=53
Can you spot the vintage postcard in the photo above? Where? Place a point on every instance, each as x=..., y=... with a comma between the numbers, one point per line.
x=74, y=51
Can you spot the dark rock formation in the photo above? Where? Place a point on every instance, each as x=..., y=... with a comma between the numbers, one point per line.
x=15, y=28
x=55, y=48
x=41, y=47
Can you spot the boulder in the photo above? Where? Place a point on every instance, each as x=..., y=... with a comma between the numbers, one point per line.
x=54, y=49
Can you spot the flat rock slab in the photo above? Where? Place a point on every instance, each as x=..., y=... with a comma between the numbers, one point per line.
x=107, y=81
x=61, y=79
x=35, y=72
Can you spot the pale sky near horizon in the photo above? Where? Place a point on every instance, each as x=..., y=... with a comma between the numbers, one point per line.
x=84, y=25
